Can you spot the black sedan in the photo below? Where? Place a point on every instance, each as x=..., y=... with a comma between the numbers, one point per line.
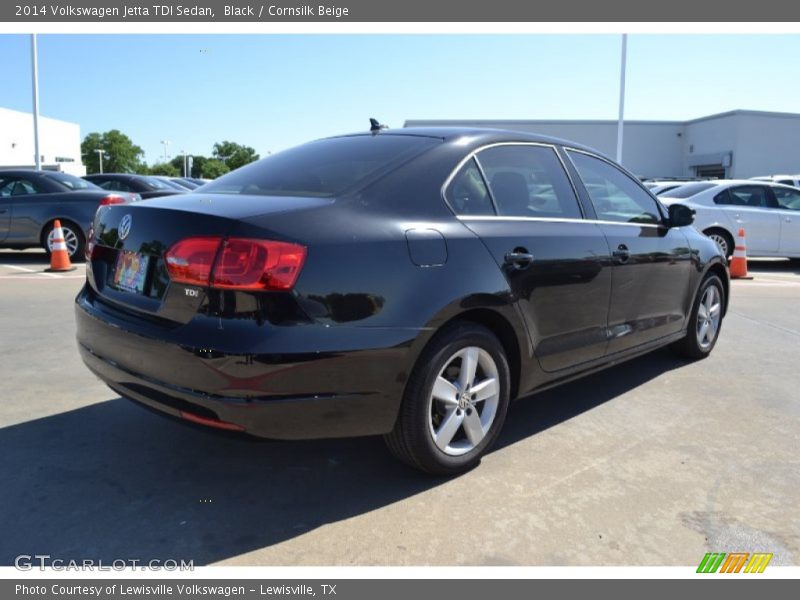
x=144, y=185
x=30, y=202
x=406, y=283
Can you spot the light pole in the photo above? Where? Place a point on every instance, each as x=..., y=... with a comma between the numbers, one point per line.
x=35, y=79
x=100, y=153
x=621, y=96
x=166, y=143
x=185, y=174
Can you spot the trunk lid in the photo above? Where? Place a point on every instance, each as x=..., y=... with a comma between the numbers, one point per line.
x=127, y=268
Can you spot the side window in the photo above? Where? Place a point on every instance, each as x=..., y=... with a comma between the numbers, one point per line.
x=615, y=196
x=467, y=193
x=17, y=187
x=724, y=198
x=786, y=182
x=529, y=181
x=754, y=196
x=112, y=185
x=787, y=199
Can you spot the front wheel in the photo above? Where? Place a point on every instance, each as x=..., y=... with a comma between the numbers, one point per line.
x=455, y=402
x=705, y=320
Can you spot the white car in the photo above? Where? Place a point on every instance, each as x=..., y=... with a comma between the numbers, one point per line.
x=659, y=187
x=768, y=212
x=793, y=180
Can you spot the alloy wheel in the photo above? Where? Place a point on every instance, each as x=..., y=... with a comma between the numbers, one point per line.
x=464, y=401
x=709, y=314
x=70, y=239
x=722, y=242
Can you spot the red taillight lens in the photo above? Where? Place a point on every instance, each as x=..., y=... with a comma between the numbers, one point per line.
x=190, y=260
x=111, y=199
x=258, y=265
x=239, y=264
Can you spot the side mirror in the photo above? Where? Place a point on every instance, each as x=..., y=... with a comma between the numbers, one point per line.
x=680, y=215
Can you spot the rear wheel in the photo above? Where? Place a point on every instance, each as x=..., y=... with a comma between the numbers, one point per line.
x=722, y=239
x=455, y=402
x=73, y=238
x=705, y=320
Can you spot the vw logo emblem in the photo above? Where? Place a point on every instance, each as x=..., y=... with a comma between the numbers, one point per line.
x=125, y=227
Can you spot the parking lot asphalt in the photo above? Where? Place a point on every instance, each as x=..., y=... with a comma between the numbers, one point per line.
x=653, y=462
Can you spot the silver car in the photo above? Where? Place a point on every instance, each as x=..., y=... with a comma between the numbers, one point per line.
x=768, y=212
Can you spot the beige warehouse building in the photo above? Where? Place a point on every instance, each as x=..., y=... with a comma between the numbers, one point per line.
x=735, y=144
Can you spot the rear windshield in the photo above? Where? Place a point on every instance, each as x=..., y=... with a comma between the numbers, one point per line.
x=688, y=190
x=70, y=181
x=322, y=168
x=156, y=184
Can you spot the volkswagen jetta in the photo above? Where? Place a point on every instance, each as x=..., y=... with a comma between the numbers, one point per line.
x=405, y=283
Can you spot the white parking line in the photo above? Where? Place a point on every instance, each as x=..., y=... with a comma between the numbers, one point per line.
x=19, y=268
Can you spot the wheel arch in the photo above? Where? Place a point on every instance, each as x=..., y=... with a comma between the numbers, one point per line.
x=499, y=322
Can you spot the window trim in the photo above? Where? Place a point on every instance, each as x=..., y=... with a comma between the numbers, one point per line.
x=474, y=153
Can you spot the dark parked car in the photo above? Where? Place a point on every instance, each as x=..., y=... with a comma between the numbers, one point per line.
x=144, y=185
x=408, y=283
x=30, y=201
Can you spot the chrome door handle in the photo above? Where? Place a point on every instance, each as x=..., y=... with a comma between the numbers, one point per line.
x=519, y=259
x=622, y=254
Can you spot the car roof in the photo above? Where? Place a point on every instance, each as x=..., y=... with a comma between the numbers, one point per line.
x=478, y=136
x=20, y=172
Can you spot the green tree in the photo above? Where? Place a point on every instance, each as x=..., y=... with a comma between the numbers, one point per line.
x=197, y=165
x=120, y=154
x=166, y=169
x=213, y=168
x=234, y=155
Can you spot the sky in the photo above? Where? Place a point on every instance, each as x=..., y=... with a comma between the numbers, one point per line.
x=273, y=91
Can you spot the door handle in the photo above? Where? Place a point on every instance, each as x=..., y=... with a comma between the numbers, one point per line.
x=519, y=259
x=622, y=254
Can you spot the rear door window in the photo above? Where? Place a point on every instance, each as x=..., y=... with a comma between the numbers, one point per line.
x=754, y=196
x=787, y=199
x=529, y=181
x=614, y=195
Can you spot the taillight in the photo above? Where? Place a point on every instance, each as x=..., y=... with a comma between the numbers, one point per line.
x=238, y=264
x=190, y=260
x=258, y=265
x=111, y=199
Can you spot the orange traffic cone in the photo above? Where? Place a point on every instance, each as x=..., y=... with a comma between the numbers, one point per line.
x=739, y=260
x=59, y=257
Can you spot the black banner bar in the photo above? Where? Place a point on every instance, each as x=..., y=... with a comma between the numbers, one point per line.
x=468, y=11
x=732, y=588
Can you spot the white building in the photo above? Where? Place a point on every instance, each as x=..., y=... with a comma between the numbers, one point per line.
x=59, y=143
x=736, y=144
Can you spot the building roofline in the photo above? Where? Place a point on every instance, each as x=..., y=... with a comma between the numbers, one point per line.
x=513, y=122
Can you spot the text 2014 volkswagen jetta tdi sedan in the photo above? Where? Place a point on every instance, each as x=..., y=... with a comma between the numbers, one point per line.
x=406, y=283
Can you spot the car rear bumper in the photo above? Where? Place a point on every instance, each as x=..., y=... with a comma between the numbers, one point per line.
x=316, y=393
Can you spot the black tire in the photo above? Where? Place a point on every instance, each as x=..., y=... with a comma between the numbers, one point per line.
x=723, y=235
x=77, y=252
x=412, y=440
x=690, y=346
